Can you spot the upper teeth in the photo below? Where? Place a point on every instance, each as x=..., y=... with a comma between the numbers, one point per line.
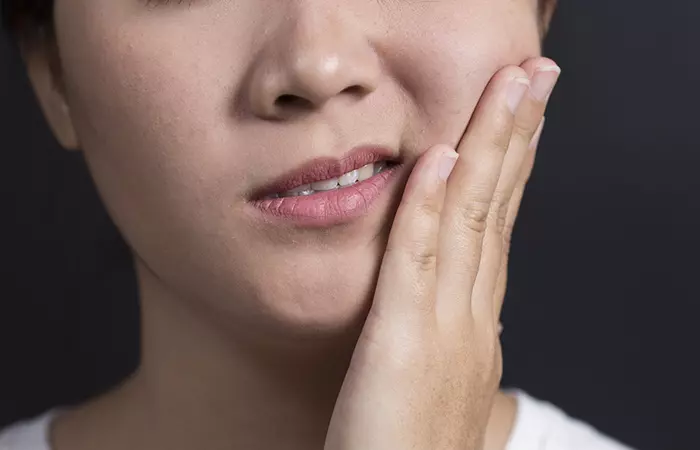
x=347, y=179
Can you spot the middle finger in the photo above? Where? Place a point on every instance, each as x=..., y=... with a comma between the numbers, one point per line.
x=470, y=191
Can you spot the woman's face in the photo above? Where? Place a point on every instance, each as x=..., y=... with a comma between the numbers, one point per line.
x=187, y=110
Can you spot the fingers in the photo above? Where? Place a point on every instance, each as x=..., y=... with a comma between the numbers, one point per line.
x=543, y=73
x=471, y=189
x=449, y=241
x=484, y=194
x=511, y=215
x=407, y=279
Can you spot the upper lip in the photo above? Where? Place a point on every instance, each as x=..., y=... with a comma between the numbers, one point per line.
x=325, y=168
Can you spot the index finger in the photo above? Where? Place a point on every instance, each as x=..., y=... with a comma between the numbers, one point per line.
x=407, y=278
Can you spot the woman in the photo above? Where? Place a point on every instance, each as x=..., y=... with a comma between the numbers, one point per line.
x=319, y=197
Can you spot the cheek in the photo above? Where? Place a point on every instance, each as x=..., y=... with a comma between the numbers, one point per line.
x=451, y=54
x=151, y=115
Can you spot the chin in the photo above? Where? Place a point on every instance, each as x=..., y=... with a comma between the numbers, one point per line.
x=320, y=303
x=298, y=288
x=295, y=297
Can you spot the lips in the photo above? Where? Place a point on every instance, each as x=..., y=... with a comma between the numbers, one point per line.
x=325, y=169
x=330, y=207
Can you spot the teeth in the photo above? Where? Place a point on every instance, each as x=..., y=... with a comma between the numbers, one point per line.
x=296, y=192
x=349, y=178
x=327, y=185
x=365, y=172
x=379, y=167
x=302, y=193
x=300, y=189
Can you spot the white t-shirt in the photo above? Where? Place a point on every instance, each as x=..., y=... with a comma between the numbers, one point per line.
x=538, y=426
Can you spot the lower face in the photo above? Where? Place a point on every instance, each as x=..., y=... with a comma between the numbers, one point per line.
x=189, y=113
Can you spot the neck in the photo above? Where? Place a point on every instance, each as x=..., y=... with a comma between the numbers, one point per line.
x=200, y=385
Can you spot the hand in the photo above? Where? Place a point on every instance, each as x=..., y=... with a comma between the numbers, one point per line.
x=428, y=361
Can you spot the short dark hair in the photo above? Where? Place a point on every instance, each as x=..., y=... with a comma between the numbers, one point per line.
x=27, y=18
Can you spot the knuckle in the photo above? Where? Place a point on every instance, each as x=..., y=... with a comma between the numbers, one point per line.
x=499, y=212
x=475, y=215
x=427, y=210
x=420, y=252
x=414, y=254
x=425, y=259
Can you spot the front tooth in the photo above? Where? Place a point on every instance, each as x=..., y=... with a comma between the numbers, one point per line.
x=327, y=185
x=349, y=178
x=366, y=172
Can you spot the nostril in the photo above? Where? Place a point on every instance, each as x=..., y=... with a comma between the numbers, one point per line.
x=355, y=90
x=289, y=101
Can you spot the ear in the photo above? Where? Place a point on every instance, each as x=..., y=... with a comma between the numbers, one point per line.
x=42, y=60
x=547, y=8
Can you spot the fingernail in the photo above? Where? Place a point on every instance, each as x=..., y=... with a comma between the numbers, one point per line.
x=543, y=82
x=536, y=137
x=516, y=92
x=448, y=160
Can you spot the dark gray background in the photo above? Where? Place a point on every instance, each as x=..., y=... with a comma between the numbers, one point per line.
x=602, y=311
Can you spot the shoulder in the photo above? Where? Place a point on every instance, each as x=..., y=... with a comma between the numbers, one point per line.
x=542, y=426
x=27, y=435
x=538, y=426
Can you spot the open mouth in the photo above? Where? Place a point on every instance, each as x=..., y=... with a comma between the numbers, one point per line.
x=345, y=180
x=329, y=174
x=328, y=191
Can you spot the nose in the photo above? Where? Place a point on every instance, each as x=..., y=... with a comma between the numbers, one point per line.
x=310, y=61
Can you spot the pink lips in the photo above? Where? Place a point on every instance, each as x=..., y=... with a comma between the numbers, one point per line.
x=327, y=208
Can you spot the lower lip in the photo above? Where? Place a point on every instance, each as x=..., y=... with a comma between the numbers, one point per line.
x=328, y=208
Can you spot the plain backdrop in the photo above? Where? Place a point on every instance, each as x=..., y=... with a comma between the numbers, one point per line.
x=602, y=309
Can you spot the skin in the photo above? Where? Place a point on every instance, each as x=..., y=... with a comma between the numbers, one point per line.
x=255, y=334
